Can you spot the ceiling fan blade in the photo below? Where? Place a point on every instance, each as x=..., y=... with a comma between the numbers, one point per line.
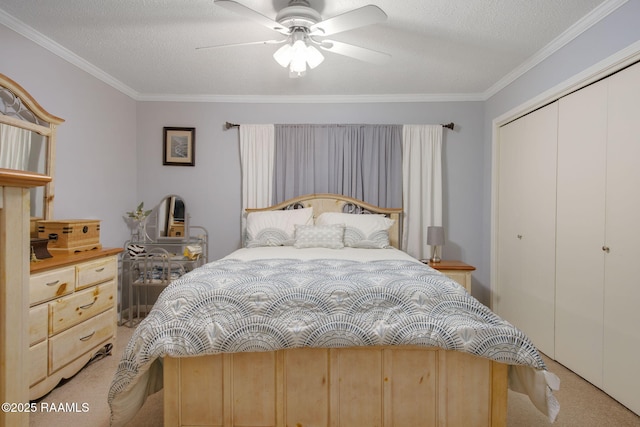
x=241, y=44
x=357, y=52
x=360, y=17
x=249, y=13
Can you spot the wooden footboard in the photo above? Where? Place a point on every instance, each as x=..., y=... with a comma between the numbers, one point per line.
x=365, y=386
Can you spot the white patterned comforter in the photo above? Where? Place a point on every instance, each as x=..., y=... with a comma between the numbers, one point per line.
x=233, y=305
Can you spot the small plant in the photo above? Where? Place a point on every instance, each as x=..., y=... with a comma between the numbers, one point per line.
x=139, y=214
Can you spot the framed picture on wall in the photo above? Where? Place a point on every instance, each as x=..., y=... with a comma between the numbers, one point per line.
x=179, y=147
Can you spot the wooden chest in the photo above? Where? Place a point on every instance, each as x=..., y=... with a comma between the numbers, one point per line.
x=70, y=235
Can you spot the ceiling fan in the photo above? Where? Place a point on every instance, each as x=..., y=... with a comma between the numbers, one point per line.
x=304, y=31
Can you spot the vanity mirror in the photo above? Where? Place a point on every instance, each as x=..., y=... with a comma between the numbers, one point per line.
x=169, y=219
x=27, y=141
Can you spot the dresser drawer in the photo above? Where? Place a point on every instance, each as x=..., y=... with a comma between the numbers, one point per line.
x=90, y=273
x=38, y=320
x=73, y=343
x=37, y=363
x=51, y=284
x=73, y=309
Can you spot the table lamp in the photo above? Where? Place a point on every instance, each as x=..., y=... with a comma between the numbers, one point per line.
x=435, y=238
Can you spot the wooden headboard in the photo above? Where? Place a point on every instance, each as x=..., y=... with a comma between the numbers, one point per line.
x=337, y=203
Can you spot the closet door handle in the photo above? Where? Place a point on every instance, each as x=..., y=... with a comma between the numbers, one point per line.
x=519, y=236
x=606, y=249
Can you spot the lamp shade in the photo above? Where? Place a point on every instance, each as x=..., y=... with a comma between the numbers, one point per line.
x=435, y=235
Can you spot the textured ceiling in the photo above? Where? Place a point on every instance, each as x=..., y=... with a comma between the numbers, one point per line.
x=439, y=48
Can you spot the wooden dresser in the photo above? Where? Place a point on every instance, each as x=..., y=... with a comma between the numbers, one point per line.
x=72, y=314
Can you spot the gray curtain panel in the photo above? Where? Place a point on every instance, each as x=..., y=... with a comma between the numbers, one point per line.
x=360, y=161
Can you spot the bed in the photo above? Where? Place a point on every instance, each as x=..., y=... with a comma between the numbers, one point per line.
x=321, y=321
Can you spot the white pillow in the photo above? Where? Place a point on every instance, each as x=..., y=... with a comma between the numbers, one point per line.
x=275, y=228
x=361, y=230
x=319, y=236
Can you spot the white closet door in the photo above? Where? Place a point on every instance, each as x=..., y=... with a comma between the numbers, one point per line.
x=580, y=231
x=526, y=252
x=510, y=300
x=538, y=230
x=622, y=284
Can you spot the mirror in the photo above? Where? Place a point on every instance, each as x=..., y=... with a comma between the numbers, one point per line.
x=27, y=141
x=169, y=219
x=25, y=150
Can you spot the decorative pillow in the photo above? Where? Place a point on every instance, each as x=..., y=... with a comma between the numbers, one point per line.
x=319, y=236
x=370, y=231
x=275, y=228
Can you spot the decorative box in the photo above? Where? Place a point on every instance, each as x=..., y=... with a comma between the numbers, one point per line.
x=70, y=235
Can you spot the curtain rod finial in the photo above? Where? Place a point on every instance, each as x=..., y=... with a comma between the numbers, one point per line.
x=448, y=126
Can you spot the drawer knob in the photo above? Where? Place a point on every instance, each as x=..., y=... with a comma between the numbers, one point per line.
x=98, y=270
x=55, y=282
x=88, y=337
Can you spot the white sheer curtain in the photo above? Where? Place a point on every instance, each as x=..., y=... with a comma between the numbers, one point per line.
x=256, y=155
x=422, y=185
x=15, y=147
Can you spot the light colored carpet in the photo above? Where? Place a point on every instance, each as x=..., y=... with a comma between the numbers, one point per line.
x=91, y=386
x=582, y=405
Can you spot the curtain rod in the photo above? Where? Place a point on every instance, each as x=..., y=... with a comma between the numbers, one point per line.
x=229, y=125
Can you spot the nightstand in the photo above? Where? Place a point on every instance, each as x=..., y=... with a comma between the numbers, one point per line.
x=456, y=270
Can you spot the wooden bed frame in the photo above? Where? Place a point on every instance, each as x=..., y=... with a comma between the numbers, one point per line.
x=356, y=386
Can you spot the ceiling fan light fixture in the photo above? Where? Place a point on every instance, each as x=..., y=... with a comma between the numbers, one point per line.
x=297, y=54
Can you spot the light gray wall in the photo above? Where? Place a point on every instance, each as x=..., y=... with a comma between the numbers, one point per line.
x=615, y=32
x=212, y=187
x=95, y=173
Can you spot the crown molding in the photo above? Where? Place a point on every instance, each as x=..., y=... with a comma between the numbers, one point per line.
x=315, y=99
x=64, y=53
x=610, y=65
x=559, y=42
